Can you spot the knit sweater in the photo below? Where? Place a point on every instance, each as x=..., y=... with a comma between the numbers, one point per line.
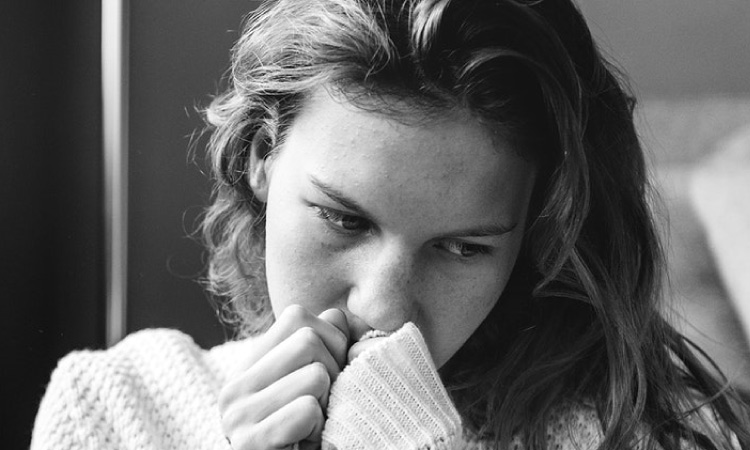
x=158, y=390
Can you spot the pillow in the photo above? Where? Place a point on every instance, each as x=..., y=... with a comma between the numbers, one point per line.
x=720, y=195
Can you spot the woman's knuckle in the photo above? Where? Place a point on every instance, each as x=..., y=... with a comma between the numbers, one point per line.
x=309, y=406
x=309, y=339
x=294, y=314
x=320, y=378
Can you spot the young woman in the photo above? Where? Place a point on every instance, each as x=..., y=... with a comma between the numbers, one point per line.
x=431, y=216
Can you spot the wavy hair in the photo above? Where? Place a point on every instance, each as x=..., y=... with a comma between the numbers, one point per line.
x=580, y=317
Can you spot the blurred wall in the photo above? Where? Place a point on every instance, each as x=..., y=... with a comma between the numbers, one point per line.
x=51, y=283
x=676, y=48
x=689, y=63
x=179, y=51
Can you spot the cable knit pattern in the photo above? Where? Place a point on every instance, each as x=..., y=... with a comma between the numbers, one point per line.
x=154, y=390
x=158, y=390
x=390, y=397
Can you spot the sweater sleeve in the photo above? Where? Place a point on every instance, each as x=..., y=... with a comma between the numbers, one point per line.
x=64, y=421
x=155, y=390
x=391, y=397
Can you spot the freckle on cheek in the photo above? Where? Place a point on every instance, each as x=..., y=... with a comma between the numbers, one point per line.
x=323, y=248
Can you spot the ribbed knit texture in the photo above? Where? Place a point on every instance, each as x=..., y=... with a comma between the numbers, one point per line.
x=158, y=390
x=391, y=397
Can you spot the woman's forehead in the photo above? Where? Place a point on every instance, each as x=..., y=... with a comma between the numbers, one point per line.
x=372, y=107
x=341, y=125
x=451, y=165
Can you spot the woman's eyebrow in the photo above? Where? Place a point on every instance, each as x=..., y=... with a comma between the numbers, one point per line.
x=483, y=231
x=337, y=196
x=351, y=205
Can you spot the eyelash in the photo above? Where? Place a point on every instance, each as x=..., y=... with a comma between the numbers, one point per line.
x=473, y=249
x=335, y=220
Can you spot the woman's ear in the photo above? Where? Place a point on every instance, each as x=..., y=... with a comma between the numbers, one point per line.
x=258, y=174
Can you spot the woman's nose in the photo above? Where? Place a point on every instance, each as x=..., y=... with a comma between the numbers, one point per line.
x=385, y=283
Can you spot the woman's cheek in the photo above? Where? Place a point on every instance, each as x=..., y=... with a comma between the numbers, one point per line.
x=299, y=263
x=459, y=305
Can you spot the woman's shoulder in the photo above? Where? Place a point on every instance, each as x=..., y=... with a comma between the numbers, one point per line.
x=578, y=425
x=149, y=361
x=147, y=354
x=571, y=425
x=155, y=376
x=151, y=352
x=574, y=425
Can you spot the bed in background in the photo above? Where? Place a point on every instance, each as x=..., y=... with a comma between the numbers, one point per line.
x=699, y=151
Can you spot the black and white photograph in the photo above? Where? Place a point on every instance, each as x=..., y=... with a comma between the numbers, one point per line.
x=375, y=224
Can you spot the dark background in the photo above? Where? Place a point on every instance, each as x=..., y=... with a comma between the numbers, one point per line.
x=51, y=184
x=50, y=181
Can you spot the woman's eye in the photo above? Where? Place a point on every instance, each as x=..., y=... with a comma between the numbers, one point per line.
x=343, y=222
x=464, y=249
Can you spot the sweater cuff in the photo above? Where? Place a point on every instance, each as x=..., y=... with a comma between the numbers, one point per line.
x=391, y=397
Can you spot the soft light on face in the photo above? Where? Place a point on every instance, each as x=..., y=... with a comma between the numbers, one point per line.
x=393, y=222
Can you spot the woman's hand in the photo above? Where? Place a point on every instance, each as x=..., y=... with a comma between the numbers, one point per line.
x=280, y=394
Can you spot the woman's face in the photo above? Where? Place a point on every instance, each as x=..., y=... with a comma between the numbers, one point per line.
x=393, y=222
